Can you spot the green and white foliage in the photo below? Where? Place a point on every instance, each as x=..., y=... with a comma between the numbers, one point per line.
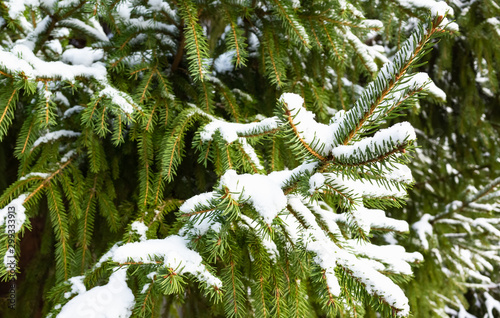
x=458, y=154
x=235, y=157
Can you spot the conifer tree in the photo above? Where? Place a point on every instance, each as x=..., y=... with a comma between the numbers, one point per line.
x=234, y=158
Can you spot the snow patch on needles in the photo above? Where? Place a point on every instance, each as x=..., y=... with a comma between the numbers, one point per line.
x=423, y=228
x=54, y=135
x=383, y=141
x=262, y=192
x=386, y=253
x=367, y=219
x=43, y=175
x=15, y=208
x=360, y=188
x=202, y=199
x=85, y=56
x=140, y=228
x=224, y=63
x=22, y=60
x=437, y=8
x=231, y=131
x=174, y=252
x=113, y=300
x=77, y=286
x=283, y=177
x=318, y=135
x=118, y=98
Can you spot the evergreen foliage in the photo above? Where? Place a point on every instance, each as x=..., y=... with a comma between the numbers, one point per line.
x=247, y=158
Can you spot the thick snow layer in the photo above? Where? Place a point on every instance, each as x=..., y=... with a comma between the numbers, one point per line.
x=13, y=214
x=113, y=300
x=318, y=136
x=17, y=7
x=201, y=199
x=174, y=252
x=22, y=60
x=423, y=228
x=381, y=143
x=423, y=80
x=54, y=135
x=77, y=286
x=85, y=56
x=262, y=192
x=316, y=181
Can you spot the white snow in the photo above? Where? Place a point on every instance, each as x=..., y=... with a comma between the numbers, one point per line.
x=13, y=215
x=382, y=142
x=174, y=252
x=436, y=8
x=118, y=98
x=54, y=135
x=372, y=23
x=140, y=228
x=396, y=172
x=68, y=155
x=316, y=181
x=95, y=31
x=283, y=177
x=361, y=50
x=495, y=23
x=73, y=110
x=22, y=60
x=224, y=62
x=358, y=188
x=200, y=200
x=55, y=46
x=17, y=7
x=424, y=228
x=317, y=135
x=113, y=300
x=231, y=131
x=367, y=219
x=43, y=175
x=395, y=256
x=491, y=304
x=77, y=286
x=329, y=255
x=85, y=56
x=200, y=227
x=262, y=192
